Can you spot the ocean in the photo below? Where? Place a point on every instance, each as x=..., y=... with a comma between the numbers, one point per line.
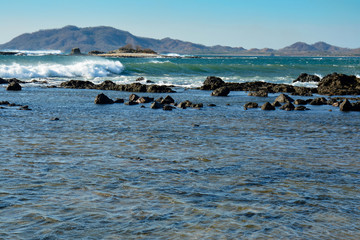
x=126, y=172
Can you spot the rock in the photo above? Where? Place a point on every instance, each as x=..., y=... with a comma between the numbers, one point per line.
x=135, y=87
x=339, y=84
x=156, y=105
x=26, y=107
x=4, y=103
x=106, y=85
x=222, y=92
x=140, y=79
x=276, y=104
x=130, y=103
x=168, y=107
x=319, y=101
x=301, y=108
x=300, y=102
x=159, y=99
x=356, y=106
x=78, y=84
x=185, y=104
x=133, y=97
x=197, y=105
x=267, y=106
x=103, y=99
x=336, y=104
x=212, y=83
x=302, y=91
x=167, y=100
x=54, y=119
x=251, y=105
x=95, y=52
x=144, y=100
x=283, y=98
x=3, y=81
x=13, y=86
x=304, y=77
x=119, y=100
x=345, y=106
x=158, y=89
x=260, y=93
x=75, y=51
x=287, y=107
x=211, y=105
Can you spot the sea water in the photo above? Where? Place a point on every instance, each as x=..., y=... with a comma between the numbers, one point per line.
x=125, y=172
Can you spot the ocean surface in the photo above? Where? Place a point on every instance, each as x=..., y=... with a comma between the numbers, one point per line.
x=125, y=172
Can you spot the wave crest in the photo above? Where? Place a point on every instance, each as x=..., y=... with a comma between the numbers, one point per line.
x=86, y=69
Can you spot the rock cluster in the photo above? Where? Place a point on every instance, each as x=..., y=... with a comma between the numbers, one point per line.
x=109, y=85
x=304, y=77
x=339, y=84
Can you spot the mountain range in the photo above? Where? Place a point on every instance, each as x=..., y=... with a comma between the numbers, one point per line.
x=107, y=38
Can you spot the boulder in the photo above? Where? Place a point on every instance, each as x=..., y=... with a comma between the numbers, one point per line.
x=221, y=92
x=260, y=93
x=185, y=104
x=133, y=97
x=130, y=103
x=287, y=106
x=283, y=98
x=13, y=86
x=106, y=85
x=300, y=102
x=304, y=77
x=345, y=106
x=339, y=84
x=267, y=106
x=251, y=105
x=144, y=100
x=301, y=108
x=158, y=89
x=167, y=100
x=119, y=100
x=156, y=105
x=319, y=101
x=168, y=107
x=103, y=99
x=95, y=52
x=276, y=104
x=75, y=51
x=78, y=84
x=212, y=83
x=3, y=81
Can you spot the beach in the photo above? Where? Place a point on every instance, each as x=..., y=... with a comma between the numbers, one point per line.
x=73, y=169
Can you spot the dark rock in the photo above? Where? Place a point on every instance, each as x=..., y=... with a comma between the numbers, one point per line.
x=140, y=79
x=142, y=106
x=283, y=98
x=339, y=84
x=287, y=107
x=26, y=107
x=156, y=105
x=133, y=97
x=159, y=99
x=144, y=100
x=106, y=85
x=319, y=101
x=130, y=103
x=13, y=86
x=331, y=101
x=167, y=100
x=95, y=52
x=267, y=106
x=75, y=51
x=4, y=103
x=300, y=102
x=345, y=106
x=54, y=119
x=78, y=84
x=103, y=99
x=168, y=107
x=211, y=105
x=135, y=87
x=221, y=92
x=158, y=89
x=301, y=108
x=3, y=81
x=356, y=106
x=304, y=77
x=197, y=105
x=302, y=91
x=185, y=104
x=276, y=104
x=119, y=100
x=212, y=83
x=251, y=105
x=260, y=93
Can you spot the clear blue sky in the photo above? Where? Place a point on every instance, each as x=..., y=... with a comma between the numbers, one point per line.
x=237, y=23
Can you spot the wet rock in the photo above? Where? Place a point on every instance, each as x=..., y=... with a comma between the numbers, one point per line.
x=13, y=86
x=140, y=79
x=156, y=105
x=54, y=119
x=95, y=52
x=304, y=77
x=75, y=51
x=133, y=97
x=144, y=100
x=168, y=107
x=4, y=103
x=26, y=107
x=167, y=100
x=142, y=106
x=260, y=93
x=197, y=105
x=356, y=106
x=106, y=85
x=185, y=104
x=345, y=106
x=331, y=101
x=158, y=89
x=78, y=84
x=276, y=104
x=267, y=106
x=251, y=105
x=301, y=108
x=3, y=81
x=319, y=101
x=283, y=98
x=221, y=92
x=130, y=103
x=103, y=99
x=119, y=100
x=287, y=107
x=302, y=91
x=300, y=102
x=212, y=83
x=211, y=105
x=339, y=84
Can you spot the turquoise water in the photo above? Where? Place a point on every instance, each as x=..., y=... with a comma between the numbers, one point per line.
x=125, y=172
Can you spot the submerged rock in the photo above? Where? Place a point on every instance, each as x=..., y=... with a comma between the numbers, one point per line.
x=103, y=99
x=13, y=86
x=221, y=92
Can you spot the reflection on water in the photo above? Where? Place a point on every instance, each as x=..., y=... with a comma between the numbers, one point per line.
x=110, y=172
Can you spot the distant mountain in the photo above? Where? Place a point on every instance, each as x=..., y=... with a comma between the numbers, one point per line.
x=108, y=38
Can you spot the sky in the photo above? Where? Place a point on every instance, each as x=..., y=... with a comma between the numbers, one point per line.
x=236, y=23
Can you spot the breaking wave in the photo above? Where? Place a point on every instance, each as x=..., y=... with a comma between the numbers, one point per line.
x=89, y=68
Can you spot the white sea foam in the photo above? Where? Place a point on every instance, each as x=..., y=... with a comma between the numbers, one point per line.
x=35, y=52
x=85, y=69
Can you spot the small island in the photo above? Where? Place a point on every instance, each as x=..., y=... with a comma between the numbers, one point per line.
x=127, y=51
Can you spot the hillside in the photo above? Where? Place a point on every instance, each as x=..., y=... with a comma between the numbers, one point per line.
x=107, y=38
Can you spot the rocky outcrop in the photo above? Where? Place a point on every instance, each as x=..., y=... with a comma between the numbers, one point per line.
x=13, y=86
x=339, y=84
x=109, y=85
x=75, y=51
x=319, y=101
x=267, y=107
x=304, y=77
x=103, y=99
x=345, y=106
x=260, y=93
x=283, y=98
x=212, y=83
x=221, y=92
x=250, y=105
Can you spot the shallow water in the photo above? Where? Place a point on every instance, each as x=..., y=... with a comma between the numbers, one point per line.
x=123, y=172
